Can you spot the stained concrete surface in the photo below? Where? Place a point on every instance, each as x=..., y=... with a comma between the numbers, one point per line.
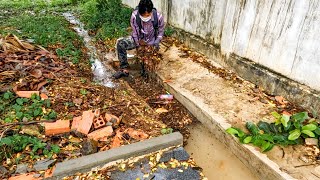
x=214, y=157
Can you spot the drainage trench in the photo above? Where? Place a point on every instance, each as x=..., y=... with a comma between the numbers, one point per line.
x=207, y=151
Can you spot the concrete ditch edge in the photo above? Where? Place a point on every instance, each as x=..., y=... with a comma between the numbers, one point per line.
x=273, y=82
x=258, y=163
x=86, y=163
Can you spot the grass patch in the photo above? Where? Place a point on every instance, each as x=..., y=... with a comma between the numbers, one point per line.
x=35, y=5
x=46, y=30
x=108, y=18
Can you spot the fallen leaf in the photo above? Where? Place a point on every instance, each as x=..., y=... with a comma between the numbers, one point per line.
x=161, y=110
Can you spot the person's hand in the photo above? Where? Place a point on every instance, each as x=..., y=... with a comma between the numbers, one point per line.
x=156, y=44
x=142, y=43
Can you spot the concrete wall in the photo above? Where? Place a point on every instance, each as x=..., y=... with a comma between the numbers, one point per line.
x=282, y=35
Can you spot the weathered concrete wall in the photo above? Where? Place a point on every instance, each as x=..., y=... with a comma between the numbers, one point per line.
x=281, y=35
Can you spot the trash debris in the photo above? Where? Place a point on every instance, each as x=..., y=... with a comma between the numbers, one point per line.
x=166, y=97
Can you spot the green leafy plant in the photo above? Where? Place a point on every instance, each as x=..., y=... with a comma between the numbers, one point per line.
x=166, y=131
x=13, y=108
x=18, y=143
x=108, y=18
x=286, y=130
x=83, y=92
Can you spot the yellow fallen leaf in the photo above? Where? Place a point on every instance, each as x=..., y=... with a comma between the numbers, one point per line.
x=161, y=110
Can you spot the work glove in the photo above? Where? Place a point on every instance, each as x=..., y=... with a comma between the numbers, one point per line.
x=156, y=44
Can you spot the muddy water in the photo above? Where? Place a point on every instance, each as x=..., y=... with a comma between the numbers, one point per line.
x=101, y=73
x=213, y=156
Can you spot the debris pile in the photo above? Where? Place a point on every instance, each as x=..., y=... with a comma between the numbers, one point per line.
x=53, y=111
x=150, y=57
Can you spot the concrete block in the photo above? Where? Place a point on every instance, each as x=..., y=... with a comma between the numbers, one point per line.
x=85, y=163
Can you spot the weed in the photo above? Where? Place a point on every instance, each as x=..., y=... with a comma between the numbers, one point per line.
x=286, y=130
x=83, y=92
x=109, y=18
x=169, y=31
x=18, y=109
x=18, y=143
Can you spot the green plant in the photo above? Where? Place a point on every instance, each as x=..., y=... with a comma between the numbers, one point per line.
x=286, y=130
x=168, y=31
x=18, y=143
x=46, y=30
x=13, y=108
x=166, y=131
x=83, y=92
x=108, y=18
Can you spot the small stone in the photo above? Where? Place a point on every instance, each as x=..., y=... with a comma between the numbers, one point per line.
x=31, y=130
x=21, y=169
x=181, y=154
x=3, y=172
x=89, y=147
x=43, y=164
x=311, y=141
x=166, y=156
x=108, y=173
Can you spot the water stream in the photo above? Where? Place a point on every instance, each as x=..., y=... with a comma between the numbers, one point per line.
x=101, y=73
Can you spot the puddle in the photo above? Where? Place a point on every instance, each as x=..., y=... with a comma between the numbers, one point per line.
x=101, y=73
x=211, y=155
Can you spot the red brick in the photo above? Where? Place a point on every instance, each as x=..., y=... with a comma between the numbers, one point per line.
x=28, y=176
x=58, y=127
x=99, y=122
x=86, y=122
x=76, y=122
x=44, y=96
x=137, y=134
x=97, y=113
x=26, y=94
x=101, y=133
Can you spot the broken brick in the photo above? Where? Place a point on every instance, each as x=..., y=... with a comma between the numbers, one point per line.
x=99, y=122
x=101, y=133
x=76, y=122
x=49, y=172
x=44, y=96
x=97, y=113
x=28, y=176
x=117, y=140
x=26, y=94
x=86, y=122
x=137, y=134
x=58, y=127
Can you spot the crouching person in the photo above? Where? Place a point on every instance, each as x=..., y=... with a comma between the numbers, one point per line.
x=147, y=29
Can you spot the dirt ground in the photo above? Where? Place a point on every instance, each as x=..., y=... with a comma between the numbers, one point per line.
x=238, y=101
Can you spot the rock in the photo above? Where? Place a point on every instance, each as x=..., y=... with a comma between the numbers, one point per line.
x=3, y=172
x=21, y=169
x=166, y=156
x=43, y=164
x=180, y=154
x=89, y=147
x=311, y=141
x=31, y=130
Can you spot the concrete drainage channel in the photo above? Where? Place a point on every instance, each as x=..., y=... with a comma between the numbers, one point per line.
x=212, y=126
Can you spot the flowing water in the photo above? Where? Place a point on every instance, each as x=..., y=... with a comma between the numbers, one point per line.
x=101, y=73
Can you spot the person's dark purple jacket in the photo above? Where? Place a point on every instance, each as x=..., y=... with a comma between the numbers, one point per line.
x=147, y=29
